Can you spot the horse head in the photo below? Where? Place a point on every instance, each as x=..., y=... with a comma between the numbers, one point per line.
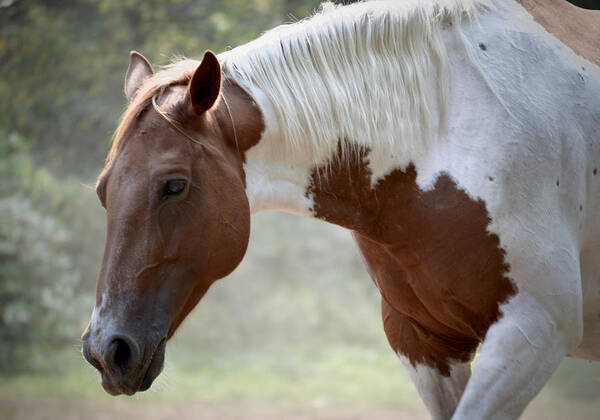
x=177, y=213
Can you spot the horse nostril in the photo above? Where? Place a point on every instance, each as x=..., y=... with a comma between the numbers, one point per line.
x=121, y=354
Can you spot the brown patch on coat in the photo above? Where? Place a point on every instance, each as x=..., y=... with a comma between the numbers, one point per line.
x=575, y=27
x=441, y=274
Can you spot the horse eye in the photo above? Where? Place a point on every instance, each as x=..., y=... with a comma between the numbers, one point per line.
x=174, y=187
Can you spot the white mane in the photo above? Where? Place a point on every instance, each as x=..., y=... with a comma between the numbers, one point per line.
x=361, y=72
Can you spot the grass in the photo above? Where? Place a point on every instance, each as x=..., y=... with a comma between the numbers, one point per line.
x=333, y=376
x=349, y=377
x=336, y=376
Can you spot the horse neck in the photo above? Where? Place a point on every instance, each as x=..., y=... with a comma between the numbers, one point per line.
x=280, y=179
x=387, y=105
x=388, y=124
x=295, y=182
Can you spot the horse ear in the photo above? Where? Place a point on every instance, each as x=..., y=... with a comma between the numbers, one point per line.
x=205, y=86
x=139, y=70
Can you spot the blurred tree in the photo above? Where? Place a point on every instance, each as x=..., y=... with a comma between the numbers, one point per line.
x=49, y=253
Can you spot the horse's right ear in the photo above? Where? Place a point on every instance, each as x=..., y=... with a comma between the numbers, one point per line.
x=205, y=85
x=139, y=70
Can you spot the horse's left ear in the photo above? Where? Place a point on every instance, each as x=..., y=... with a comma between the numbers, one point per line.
x=205, y=85
x=139, y=70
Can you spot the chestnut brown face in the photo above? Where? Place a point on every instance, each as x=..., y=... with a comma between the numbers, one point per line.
x=177, y=220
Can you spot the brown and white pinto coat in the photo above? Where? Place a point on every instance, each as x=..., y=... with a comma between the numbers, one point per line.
x=490, y=235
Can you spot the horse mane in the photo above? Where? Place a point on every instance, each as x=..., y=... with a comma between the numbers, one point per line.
x=365, y=68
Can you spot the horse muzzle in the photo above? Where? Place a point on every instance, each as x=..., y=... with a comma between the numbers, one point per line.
x=126, y=365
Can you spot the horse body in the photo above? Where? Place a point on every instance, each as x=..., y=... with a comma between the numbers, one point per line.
x=529, y=154
x=479, y=220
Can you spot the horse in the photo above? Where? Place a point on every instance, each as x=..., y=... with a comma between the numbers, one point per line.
x=456, y=139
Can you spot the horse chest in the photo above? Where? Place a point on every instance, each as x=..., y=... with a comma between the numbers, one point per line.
x=441, y=274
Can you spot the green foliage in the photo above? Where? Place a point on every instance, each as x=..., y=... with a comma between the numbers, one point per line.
x=45, y=258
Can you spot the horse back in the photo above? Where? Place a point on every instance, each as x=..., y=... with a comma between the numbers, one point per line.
x=575, y=27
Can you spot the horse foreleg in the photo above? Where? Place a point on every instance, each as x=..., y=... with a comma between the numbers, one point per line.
x=519, y=354
x=440, y=392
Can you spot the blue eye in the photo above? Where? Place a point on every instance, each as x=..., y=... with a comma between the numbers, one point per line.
x=174, y=187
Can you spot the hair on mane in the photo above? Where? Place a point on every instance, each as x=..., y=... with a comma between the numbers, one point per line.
x=360, y=72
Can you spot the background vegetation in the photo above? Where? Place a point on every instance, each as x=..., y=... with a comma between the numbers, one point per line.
x=298, y=323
